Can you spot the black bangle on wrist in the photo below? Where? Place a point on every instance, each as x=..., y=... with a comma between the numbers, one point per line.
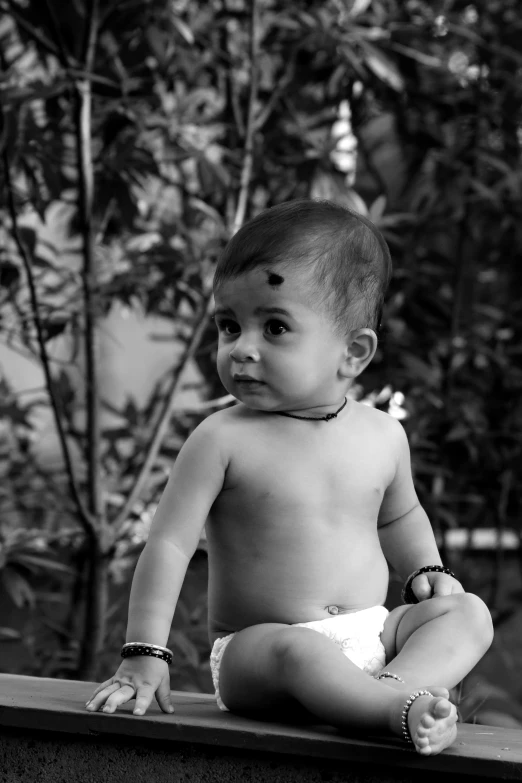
x=407, y=594
x=132, y=649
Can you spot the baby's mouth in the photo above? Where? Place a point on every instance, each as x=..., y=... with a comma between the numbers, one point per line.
x=246, y=380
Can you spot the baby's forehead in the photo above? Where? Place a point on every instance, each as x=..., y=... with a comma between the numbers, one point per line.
x=279, y=279
x=274, y=276
x=267, y=288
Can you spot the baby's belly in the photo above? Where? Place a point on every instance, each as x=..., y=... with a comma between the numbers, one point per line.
x=298, y=587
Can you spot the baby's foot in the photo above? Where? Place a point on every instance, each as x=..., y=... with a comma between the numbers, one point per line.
x=431, y=722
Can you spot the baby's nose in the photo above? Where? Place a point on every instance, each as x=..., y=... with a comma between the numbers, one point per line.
x=245, y=351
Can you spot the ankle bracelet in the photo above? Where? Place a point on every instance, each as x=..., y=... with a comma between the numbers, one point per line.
x=389, y=675
x=404, y=717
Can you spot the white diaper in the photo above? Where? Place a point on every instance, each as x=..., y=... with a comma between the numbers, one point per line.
x=218, y=648
x=358, y=634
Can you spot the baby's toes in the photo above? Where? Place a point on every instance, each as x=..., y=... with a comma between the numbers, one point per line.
x=436, y=728
x=441, y=708
x=426, y=723
x=422, y=741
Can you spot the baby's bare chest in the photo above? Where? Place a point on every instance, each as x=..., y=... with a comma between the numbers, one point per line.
x=321, y=477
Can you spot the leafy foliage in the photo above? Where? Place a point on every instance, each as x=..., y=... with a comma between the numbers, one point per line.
x=408, y=111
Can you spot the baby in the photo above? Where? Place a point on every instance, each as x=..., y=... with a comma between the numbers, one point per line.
x=309, y=495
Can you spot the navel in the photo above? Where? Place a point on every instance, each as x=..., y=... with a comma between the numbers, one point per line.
x=332, y=609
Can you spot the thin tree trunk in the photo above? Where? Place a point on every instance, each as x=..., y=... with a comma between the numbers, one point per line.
x=96, y=593
x=96, y=605
x=101, y=541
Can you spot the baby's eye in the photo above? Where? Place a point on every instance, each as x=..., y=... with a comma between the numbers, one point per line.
x=275, y=328
x=227, y=326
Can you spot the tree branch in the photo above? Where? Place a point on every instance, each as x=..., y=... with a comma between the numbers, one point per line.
x=63, y=55
x=32, y=31
x=85, y=518
x=82, y=123
x=69, y=63
x=208, y=304
x=248, y=155
x=282, y=84
x=165, y=416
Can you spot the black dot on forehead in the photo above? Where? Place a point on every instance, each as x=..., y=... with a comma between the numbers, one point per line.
x=274, y=279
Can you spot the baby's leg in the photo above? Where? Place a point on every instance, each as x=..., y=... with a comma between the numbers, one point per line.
x=437, y=641
x=272, y=665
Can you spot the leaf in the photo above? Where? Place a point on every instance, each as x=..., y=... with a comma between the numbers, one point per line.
x=28, y=237
x=353, y=59
x=9, y=634
x=382, y=66
x=326, y=186
x=42, y=263
x=358, y=7
x=207, y=209
x=482, y=190
x=36, y=91
x=495, y=161
x=184, y=30
x=66, y=391
x=9, y=274
x=18, y=588
x=420, y=57
x=459, y=432
x=54, y=328
x=397, y=219
x=42, y=563
x=376, y=210
x=17, y=415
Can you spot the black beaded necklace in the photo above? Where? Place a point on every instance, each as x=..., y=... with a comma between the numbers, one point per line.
x=328, y=417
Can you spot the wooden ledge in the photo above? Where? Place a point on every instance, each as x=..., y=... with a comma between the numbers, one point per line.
x=40, y=707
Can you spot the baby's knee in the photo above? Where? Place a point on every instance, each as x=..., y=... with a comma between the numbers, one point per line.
x=475, y=616
x=293, y=647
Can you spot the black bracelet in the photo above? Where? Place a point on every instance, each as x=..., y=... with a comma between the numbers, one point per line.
x=407, y=594
x=163, y=654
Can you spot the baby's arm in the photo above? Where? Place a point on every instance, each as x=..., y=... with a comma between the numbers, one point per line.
x=405, y=532
x=196, y=480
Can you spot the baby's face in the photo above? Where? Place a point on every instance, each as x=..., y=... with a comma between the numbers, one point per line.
x=276, y=351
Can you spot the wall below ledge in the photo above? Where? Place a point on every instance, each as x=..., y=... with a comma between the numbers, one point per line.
x=46, y=735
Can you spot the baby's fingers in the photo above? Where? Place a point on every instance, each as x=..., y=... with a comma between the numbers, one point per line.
x=446, y=585
x=123, y=694
x=456, y=587
x=144, y=697
x=422, y=587
x=101, y=694
x=163, y=695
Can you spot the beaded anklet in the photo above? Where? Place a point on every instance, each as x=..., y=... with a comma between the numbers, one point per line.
x=389, y=675
x=404, y=717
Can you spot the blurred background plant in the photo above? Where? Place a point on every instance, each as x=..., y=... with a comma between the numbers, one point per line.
x=136, y=137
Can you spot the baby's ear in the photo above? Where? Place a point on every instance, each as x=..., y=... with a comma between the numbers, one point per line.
x=361, y=345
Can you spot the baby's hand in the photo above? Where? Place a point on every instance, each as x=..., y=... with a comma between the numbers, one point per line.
x=140, y=677
x=433, y=583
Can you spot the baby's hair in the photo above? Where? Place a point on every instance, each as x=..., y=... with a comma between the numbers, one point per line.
x=346, y=254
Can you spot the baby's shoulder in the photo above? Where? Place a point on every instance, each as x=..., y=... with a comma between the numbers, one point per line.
x=224, y=424
x=233, y=416
x=380, y=424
